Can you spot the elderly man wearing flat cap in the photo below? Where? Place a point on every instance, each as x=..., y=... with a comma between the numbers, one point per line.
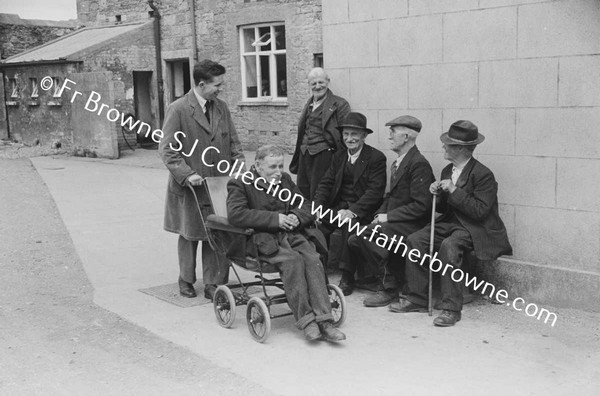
x=405, y=209
x=353, y=185
x=468, y=201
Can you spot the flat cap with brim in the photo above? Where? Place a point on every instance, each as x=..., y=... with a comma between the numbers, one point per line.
x=462, y=133
x=407, y=122
x=356, y=121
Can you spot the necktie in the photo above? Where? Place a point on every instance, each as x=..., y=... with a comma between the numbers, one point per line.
x=394, y=169
x=207, y=111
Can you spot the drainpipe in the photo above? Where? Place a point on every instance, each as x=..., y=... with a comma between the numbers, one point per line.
x=194, y=42
x=159, y=77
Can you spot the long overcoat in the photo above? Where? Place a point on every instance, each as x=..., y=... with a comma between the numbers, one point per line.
x=187, y=135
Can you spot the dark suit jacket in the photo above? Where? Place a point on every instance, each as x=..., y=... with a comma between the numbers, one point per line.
x=335, y=109
x=249, y=207
x=186, y=115
x=409, y=200
x=369, y=182
x=475, y=204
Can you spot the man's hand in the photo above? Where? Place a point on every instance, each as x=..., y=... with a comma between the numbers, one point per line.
x=447, y=185
x=434, y=188
x=346, y=214
x=380, y=218
x=288, y=222
x=195, y=180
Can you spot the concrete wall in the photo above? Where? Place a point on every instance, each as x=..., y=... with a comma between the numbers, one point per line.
x=527, y=72
x=44, y=120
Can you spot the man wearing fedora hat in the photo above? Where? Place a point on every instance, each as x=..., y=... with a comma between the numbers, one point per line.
x=353, y=186
x=318, y=135
x=405, y=210
x=468, y=201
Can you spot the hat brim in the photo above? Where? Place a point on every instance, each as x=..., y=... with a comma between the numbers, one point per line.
x=341, y=127
x=450, y=141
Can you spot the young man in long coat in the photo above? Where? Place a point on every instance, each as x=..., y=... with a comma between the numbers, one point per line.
x=198, y=133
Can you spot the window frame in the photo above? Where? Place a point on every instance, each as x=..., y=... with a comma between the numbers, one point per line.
x=272, y=53
x=33, y=85
x=14, y=88
x=56, y=87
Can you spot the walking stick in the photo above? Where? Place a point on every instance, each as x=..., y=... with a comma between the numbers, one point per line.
x=431, y=237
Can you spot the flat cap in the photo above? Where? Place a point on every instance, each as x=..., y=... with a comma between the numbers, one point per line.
x=406, y=121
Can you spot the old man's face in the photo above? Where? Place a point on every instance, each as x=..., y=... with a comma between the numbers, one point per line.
x=354, y=139
x=271, y=168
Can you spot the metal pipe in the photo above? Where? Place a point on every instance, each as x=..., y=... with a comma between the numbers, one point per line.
x=159, y=77
x=193, y=26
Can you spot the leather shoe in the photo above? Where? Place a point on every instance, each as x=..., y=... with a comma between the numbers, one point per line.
x=380, y=299
x=209, y=291
x=347, y=283
x=447, y=318
x=405, y=306
x=312, y=332
x=186, y=289
x=330, y=333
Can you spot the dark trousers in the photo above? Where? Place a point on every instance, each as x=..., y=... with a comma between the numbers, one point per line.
x=311, y=169
x=215, y=268
x=451, y=241
x=303, y=278
x=339, y=253
x=370, y=260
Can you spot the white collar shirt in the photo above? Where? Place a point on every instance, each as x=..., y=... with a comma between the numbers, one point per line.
x=353, y=157
x=457, y=170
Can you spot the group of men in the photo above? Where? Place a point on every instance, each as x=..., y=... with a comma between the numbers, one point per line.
x=339, y=172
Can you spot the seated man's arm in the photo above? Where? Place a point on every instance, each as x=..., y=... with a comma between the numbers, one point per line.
x=476, y=205
x=420, y=197
x=240, y=214
x=371, y=199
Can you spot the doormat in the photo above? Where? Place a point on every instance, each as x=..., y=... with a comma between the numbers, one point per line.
x=170, y=294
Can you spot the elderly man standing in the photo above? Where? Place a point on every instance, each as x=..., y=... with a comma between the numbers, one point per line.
x=405, y=210
x=318, y=136
x=281, y=227
x=468, y=201
x=353, y=186
x=192, y=123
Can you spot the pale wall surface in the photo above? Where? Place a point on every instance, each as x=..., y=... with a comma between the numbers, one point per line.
x=528, y=74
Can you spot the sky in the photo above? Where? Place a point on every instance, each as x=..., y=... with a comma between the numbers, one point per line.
x=54, y=10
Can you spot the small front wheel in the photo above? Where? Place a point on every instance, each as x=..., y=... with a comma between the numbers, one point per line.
x=259, y=319
x=338, y=304
x=224, y=304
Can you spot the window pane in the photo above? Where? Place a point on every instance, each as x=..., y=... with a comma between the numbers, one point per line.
x=248, y=38
x=250, y=65
x=280, y=37
x=264, y=33
x=34, y=87
x=265, y=74
x=281, y=75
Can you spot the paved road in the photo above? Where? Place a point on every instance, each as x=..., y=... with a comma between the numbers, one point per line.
x=113, y=212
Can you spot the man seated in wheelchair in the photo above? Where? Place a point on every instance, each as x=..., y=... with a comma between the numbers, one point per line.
x=273, y=206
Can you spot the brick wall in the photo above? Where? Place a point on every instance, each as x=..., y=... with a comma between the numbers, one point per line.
x=18, y=35
x=527, y=72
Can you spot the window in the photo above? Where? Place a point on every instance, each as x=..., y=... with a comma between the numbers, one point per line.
x=318, y=60
x=34, y=87
x=14, y=88
x=263, y=59
x=56, y=86
x=180, y=82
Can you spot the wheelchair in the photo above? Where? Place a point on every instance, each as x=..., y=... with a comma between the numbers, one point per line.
x=231, y=242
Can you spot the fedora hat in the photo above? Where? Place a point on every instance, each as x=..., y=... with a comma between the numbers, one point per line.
x=462, y=133
x=355, y=120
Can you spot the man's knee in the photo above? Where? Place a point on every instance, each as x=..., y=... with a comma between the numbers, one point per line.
x=451, y=251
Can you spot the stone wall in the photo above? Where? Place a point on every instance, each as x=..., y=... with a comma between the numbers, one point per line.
x=527, y=72
x=18, y=35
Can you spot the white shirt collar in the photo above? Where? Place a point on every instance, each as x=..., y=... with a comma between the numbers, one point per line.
x=460, y=167
x=201, y=100
x=316, y=104
x=353, y=157
x=399, y=159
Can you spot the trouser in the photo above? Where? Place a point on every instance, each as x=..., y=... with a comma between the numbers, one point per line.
x=339, y=253
x=369, y=260
x=303, y=279
x=451, y=241
x=215, y=268
x=311, y=169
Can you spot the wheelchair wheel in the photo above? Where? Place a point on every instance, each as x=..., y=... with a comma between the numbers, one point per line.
x=338, y=304
x=224, y=304
x=259, y=319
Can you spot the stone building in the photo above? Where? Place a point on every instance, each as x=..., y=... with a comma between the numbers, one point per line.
x=266, y=46
x=18, y=35
x=527, y=72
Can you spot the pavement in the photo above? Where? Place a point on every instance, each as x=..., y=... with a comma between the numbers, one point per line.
x=113, y=211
